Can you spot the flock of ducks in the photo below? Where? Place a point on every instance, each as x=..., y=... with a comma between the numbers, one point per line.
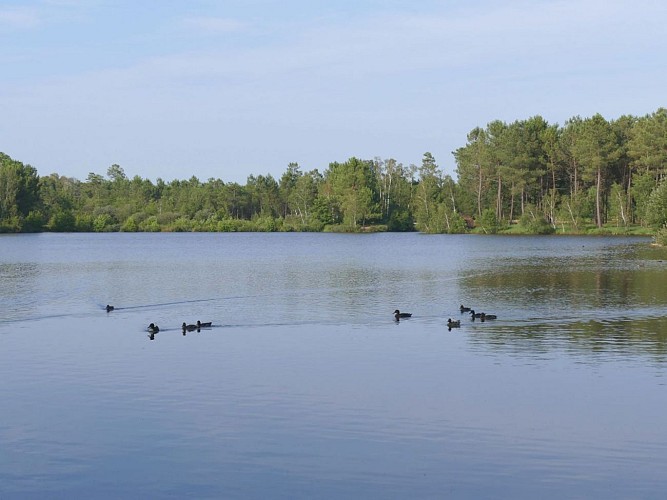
x=198, y=326
x=398, y=315
x=152, y=329
x=450, y=322
x=185, y=327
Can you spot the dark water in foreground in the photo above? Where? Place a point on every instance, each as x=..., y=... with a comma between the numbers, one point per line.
x=305, y=387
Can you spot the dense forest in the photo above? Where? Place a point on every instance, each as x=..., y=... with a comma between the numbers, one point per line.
x=528, y=176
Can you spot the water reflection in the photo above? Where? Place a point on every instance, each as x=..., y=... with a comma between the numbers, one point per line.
x=304, y=386
x=568, y=286
x=19, y=290
x=606, y=303
x=621, y=337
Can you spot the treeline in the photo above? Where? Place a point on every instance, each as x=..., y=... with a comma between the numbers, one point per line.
x=589, y=170
x=529, y=175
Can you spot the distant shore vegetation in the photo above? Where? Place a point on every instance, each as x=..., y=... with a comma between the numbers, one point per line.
x=589, y=176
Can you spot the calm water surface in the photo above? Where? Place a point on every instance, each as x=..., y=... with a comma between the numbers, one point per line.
x=305, y=386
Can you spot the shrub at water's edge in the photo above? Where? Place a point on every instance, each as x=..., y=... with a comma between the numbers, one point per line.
x=661, y=237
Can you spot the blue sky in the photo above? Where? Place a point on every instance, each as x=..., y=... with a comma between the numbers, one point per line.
x=229, y=88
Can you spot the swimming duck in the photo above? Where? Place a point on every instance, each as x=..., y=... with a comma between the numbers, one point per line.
x=189, y=328
x=464, y=309
x=453, y=324
x=153, y=328
x=109, y=308
x=485, y=316
x=474, y=315
x=398, y=314
x=203, y=325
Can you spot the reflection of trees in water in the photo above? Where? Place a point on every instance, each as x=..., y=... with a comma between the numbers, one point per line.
x=623, y=336
x=608, y=304
x=571, y=285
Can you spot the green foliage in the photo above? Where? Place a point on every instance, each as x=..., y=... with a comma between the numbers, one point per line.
x=109, y=215
x=488, y=222
x=400, y=220
x=443, y=220
x=427, y=212
x=166, y=219
x=533, y=222
x=150, y=225
x=19, y=193
x=62, y=221
x=570, y=212
x=642, y=186
x=618, y=212
x=588, y=172
x=656, y=207
x=349, y=194
x=326, y=210
x=34, y=222
x=116, y=173
x=265, y=223
x=181, y=225
x=102, y=222
x=340, y=228
x=647, y=143
x=10, y=224
x=661, y=236
x=130, y=225
x=293, y=223
x=83, y=223
x=457, y=224
x=231, y=225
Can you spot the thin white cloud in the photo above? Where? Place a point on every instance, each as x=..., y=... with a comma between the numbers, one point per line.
x=43, y=13
x=536, y=34
x=518, y=38
x=19, y=18
x=507, y=34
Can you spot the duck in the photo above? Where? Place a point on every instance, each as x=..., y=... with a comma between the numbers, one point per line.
x=453, y=324
x=203, y=325
x=153, y=328
x=474, y=315
x=398, y=314
x=109, y=308
x=464, y=309
x=485, y=316
x=189, y=328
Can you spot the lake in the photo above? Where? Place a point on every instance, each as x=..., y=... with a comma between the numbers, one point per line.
x=306, y=387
